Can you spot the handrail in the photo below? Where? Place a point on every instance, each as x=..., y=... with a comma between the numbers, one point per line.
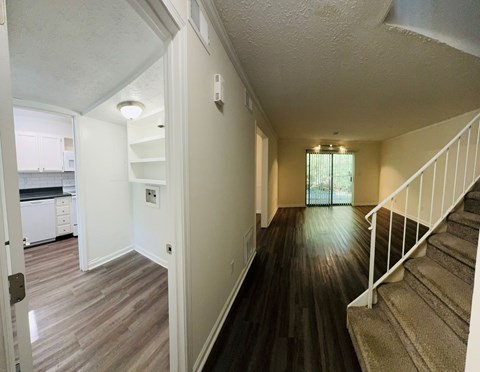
x=421, y=170
x=455, y=183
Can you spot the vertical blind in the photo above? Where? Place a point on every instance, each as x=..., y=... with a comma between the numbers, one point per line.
x=329, y=179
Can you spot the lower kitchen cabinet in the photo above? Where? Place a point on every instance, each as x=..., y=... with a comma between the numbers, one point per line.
x=63, y=215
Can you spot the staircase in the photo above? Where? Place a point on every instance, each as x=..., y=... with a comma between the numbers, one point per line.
x=422, y=322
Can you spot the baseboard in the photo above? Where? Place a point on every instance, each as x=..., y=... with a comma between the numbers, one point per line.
x=365, y=204
x=152, y=257
x=409, y=216
x=258, y=211
x=103, y=260
x=212, y=337
x=292, y=206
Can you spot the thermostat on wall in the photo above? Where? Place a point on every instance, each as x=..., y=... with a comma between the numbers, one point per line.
x=218, y=97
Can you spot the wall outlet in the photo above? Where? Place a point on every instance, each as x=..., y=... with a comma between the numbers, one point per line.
x=232, y=267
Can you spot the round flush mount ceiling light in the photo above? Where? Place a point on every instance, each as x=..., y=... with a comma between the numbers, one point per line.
x=131, y=109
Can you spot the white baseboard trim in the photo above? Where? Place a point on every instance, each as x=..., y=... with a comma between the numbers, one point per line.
x=152, y=257
x=103, y=260
x=365, y=204
x=409, y=216
x=258, y=211
x=292, y=206
x=212, y=337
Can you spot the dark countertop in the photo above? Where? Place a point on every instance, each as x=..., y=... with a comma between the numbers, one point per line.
x=42, y=193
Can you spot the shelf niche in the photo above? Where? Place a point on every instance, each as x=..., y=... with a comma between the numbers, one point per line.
x=146, y=150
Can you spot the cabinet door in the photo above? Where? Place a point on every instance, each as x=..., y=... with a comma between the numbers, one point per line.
x=51, y=154
x=27, y=152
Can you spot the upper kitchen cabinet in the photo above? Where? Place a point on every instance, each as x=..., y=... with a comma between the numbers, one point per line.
x=146, y=150
x=41, y=140
x=39, y=152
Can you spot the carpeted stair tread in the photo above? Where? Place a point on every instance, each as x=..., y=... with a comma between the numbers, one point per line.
x=472, y=202
x=454, y=292
x=439, y=347
x=466, y=218
x=456, y=247
x=376, y=341
x=475, y=195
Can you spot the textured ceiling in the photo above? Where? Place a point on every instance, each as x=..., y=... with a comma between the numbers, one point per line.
x=148, y=89
x=324, y=66
x=76, y=54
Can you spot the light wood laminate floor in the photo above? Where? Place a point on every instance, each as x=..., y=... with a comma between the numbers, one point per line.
x=113, y=318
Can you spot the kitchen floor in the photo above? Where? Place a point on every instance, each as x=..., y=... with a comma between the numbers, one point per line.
x=113, y=318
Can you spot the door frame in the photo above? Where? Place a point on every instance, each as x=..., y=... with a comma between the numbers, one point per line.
x=168, y=24
x=11, y=215
x=264, y=221
x=164, y=19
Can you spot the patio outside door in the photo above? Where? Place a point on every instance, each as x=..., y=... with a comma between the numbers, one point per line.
x=329, y=179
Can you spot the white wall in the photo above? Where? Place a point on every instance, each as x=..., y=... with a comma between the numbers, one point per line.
x=404, y=155
x=105, y=208
x=28, y=120
x=150, y=225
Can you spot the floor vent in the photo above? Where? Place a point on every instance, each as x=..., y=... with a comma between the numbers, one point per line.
x=248, y=246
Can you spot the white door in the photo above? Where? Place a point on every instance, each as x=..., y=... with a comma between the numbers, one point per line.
x=27, y=152
x=10, y=228
x=52, y=153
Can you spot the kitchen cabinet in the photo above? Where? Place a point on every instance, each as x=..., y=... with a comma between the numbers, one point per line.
x=146, y=150
x=37, y=152
x=62, y=208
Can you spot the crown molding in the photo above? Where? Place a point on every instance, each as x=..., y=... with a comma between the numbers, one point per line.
x=214, y=17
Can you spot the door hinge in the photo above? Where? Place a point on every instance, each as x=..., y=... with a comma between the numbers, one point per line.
x=26, y=243
x=16, y=287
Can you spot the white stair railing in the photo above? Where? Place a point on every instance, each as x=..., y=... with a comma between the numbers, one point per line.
x=420, y=205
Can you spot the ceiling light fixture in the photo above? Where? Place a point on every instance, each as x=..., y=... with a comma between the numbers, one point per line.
x=130, y=109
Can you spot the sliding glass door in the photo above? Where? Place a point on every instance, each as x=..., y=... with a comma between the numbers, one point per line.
x=329, y=179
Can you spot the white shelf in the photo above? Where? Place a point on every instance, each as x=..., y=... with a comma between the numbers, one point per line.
x=146, y=151
x=147, y=140
x=148, y=160
x=148, y=181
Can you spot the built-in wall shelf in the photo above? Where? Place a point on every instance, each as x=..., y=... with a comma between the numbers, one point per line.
x=148, y=182
x=148, y=160
x=146, y=150
x=147, y=140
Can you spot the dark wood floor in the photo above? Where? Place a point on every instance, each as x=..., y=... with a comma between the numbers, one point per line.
x=113, y=318
x=290, y=314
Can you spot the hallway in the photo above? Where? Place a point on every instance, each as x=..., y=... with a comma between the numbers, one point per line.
x=290, y=314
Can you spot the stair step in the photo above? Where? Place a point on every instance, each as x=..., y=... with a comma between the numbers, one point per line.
x=376, y=342
x=472, y=202
x=448, y=295
x=465, y=225
x=455, y=254
x=435, y=342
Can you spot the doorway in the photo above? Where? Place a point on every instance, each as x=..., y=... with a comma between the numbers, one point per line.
x=154, y=14
x=261, y=183
x=329, y=179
